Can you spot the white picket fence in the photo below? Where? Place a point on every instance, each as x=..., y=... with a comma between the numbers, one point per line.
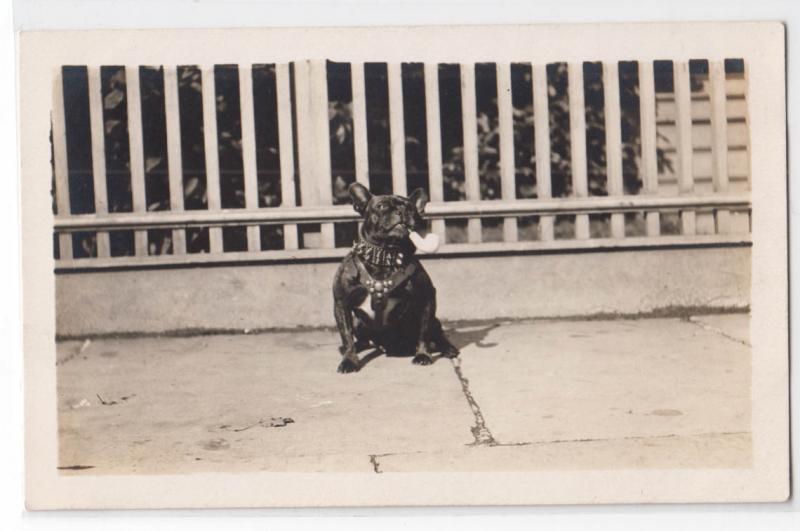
x=720, y=204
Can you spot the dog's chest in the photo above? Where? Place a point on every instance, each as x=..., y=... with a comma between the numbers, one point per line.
x=385, y=297
x=380, y=312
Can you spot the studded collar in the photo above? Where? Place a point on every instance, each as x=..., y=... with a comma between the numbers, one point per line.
x=378, y=256
x=380, y=290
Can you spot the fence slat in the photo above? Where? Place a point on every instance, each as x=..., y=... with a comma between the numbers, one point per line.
x=360, y=142
x=210, y=140
x=719, y=146
x=434, y=133
x=286, y=147
x=174, y=153
x=469, y=122
x=541, y=124
x=60, y=166
x=249, y=164
x=577, y=137
x=97, y=128
x=397, y=133
x=647, y=116
x=683, y=102
x=613, y=142
x=319, y=86
x=136, y=151
x=311, y=96
x=505, y=118
x=307, y=163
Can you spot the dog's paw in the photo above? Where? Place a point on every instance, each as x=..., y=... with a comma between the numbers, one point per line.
x=422, y=359
x=347, y=365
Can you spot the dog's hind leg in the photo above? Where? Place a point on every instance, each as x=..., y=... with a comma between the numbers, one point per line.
x=344, y=322
x=442, y=344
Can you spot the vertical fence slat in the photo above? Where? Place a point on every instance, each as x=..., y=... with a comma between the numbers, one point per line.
x=719, y=132
x=360, y=142
x=505, y=118
x=136, y=150
x=97, y=128
x=434, y=133
x=577, y=137
x=469, y=122
x=683, y=102
x=319, y=86
x=174, y=154
x=60, y=166
x=249, y=164
x=210, y=141
x=397, y=133
x=613, y=142
x=286, y=147
x=305, y=134
x=541, y=124
x=311, y=96
x=647, y=115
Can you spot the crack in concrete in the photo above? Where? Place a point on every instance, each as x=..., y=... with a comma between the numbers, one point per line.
x=628, y=438
x=376, y=466
x=717, y=331
x=481, y=433
x=86, y=343
x=373, y=458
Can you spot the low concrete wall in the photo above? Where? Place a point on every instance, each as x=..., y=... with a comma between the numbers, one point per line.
x=277, y=296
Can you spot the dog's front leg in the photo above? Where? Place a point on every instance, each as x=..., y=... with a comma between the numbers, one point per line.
x=423, y=352
x=344, y=322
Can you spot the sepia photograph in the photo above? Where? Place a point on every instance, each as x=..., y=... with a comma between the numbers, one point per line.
x=494, y=252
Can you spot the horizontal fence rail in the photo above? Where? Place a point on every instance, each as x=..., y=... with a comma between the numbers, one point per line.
x=246, y=159
x=454, y=210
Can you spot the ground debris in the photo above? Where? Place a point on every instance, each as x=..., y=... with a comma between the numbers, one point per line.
x=83, y=403
x=114, y=402
x=272, y=422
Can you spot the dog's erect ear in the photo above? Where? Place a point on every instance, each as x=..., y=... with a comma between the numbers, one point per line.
x=360, y=196
x=419, y=198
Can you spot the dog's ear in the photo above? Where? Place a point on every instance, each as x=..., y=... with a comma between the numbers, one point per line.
x=360, y=196
x=419, y=198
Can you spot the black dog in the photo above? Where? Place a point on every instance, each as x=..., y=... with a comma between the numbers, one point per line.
x=381, y=293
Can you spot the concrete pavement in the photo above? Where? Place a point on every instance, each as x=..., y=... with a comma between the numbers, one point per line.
x=530, y=395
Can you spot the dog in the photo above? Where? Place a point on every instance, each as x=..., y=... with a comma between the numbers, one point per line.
x=382, y=295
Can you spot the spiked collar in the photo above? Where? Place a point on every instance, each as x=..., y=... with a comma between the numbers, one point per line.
x=379, y=256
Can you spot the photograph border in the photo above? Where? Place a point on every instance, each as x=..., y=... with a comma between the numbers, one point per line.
x=41, y=53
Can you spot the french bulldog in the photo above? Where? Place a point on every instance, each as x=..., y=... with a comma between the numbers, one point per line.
x=382, y=295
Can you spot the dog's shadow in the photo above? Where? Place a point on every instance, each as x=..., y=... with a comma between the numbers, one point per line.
x=459, y=338
x=471, y=336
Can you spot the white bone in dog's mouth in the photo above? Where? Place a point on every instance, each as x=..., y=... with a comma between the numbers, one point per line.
x=427, y=245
